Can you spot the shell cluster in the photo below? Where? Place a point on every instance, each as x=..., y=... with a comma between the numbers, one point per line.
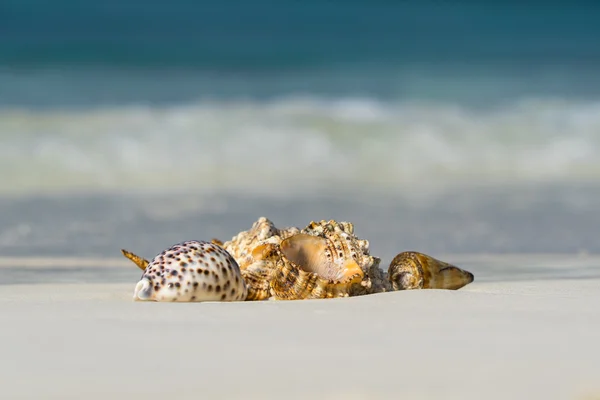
x=323, y=260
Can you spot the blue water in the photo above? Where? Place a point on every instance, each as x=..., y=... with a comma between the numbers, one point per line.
x=93, y=92
x=189, y=49
x=288, y=34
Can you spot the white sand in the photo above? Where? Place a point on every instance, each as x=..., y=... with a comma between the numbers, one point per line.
x=511, y=340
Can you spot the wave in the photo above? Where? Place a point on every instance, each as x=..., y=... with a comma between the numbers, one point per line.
x=297, y=143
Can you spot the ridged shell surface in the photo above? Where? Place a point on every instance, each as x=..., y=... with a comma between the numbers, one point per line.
x=243, y=244
x=259, y=273
x=192, y=271
x=325, y=260
x=347, y=244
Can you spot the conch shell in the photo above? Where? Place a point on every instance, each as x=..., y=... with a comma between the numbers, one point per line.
x=259, y=273
x=326, y=260
x=311, y=267
x=256, y=252
x=347, y=244
x=413, y=270
x=263, y=230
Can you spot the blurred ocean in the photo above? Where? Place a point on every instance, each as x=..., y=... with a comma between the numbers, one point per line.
x=379, y=103
x=296, y=94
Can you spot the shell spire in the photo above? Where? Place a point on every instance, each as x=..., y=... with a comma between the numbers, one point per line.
x=141, y=263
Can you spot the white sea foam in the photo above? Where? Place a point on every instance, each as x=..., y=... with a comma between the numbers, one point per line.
x=297, y=143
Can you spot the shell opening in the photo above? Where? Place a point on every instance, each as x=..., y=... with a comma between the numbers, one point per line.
x=311, y=254
x=143, y=290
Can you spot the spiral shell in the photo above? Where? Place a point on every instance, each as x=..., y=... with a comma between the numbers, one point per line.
x=413, y=270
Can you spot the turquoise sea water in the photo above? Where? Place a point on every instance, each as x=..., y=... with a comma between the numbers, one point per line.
x=279, y=95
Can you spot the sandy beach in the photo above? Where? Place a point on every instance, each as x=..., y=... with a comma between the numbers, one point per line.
x=535, y=338
x=527, y=328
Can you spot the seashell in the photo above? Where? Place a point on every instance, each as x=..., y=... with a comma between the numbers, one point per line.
x=413, y=270
x=263, y=230
x=259, y=273
x=256, y=252
x=217, y=242
x=141, y=263
x=347, y=244
x=311, y=267
x=190, y=271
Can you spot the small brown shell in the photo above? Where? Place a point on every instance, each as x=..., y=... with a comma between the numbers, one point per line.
x=413, y=270
x=311, y=267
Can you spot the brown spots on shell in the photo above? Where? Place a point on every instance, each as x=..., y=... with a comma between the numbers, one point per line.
x=203, y=270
